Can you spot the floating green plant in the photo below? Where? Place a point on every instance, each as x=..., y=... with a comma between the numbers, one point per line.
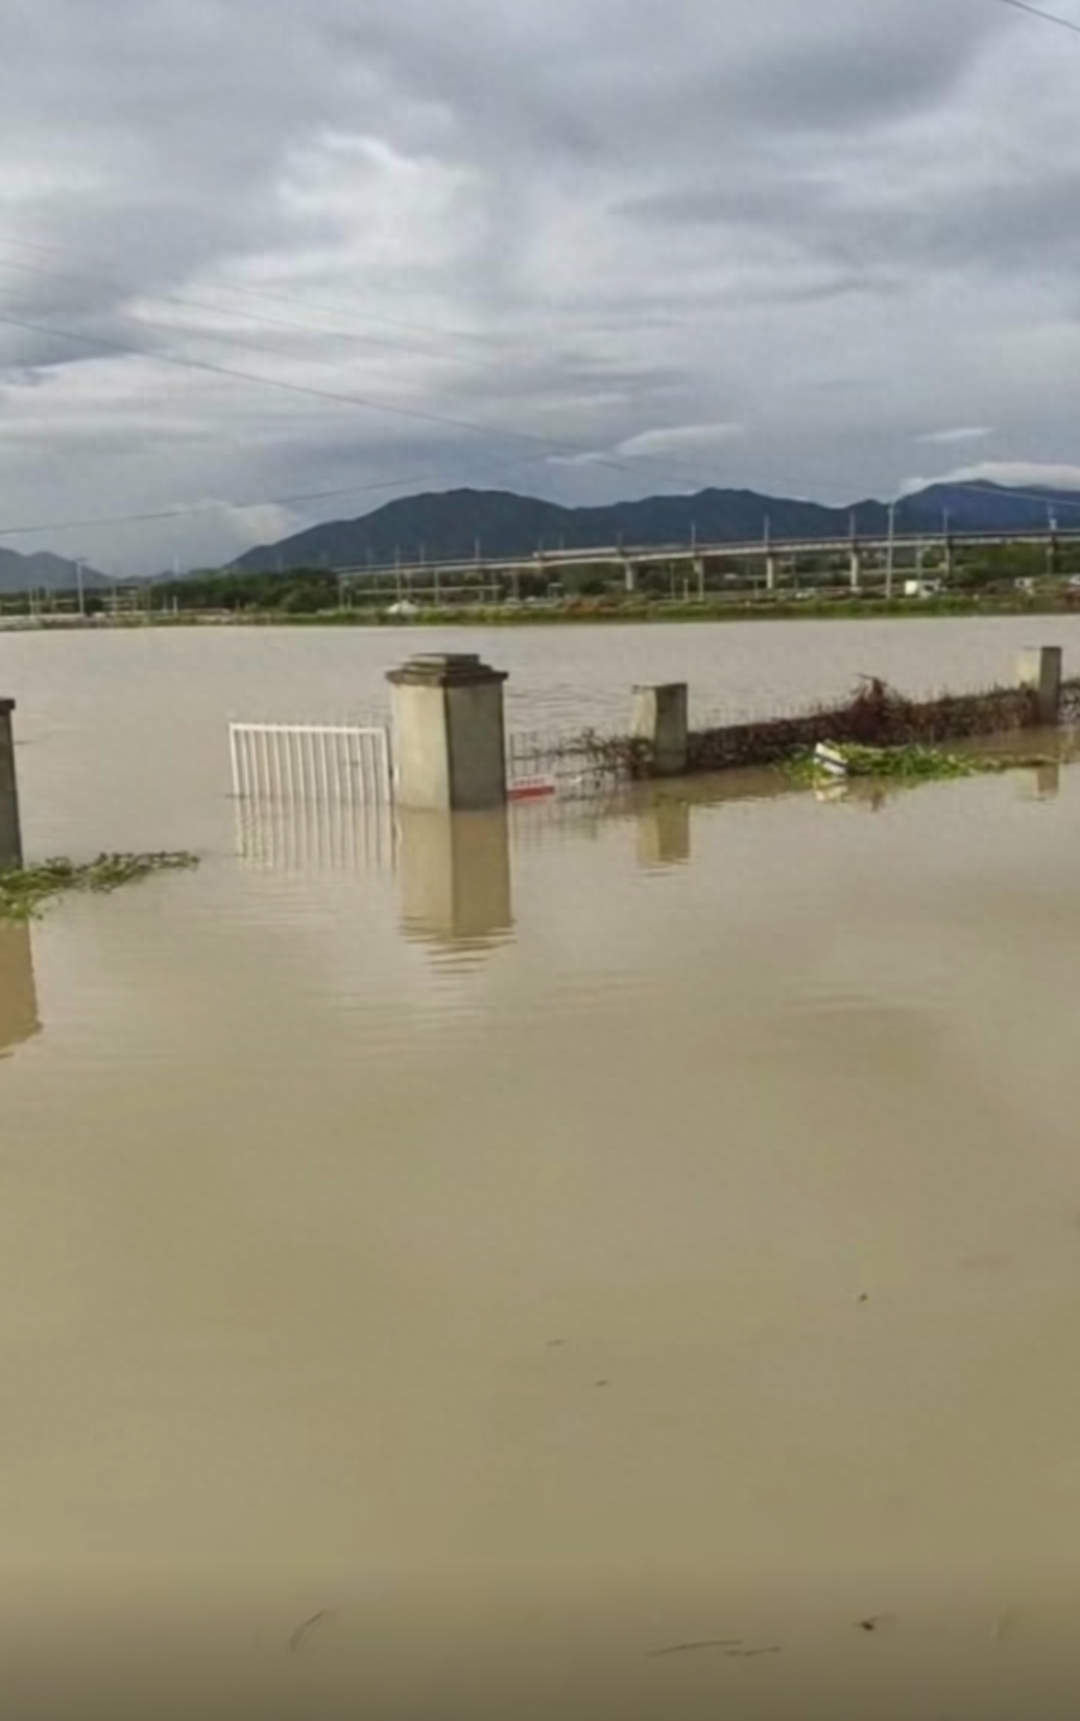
x=911, y=763
x=24, y=891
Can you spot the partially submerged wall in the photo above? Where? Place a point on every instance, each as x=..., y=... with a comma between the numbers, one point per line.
x=875, y=717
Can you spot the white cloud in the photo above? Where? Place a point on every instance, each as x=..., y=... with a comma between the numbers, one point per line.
x=963, y=433
x=695, y=438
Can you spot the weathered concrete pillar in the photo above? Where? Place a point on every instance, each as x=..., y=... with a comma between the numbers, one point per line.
x=11, y=853
x=660, y=719
x=699, y=575
x=449, y=733
x=770, y=573
x=630, y=576
x=1040, y=667
x=856, y=568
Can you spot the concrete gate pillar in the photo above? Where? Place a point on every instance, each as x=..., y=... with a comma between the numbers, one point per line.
x=11, y=851
x=449, y=733
x=660, y=719
x=1040, y=667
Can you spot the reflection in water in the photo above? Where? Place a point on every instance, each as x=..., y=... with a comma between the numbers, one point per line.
x=315, y=837
x=664, y=831
x=1048, y=781
x=18, y=994
x=455, y=878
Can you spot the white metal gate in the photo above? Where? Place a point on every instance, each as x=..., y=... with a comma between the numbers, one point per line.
x=320, y=762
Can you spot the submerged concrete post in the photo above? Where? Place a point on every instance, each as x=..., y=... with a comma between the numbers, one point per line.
x=11, y=852
x=1040, y=667
x=449, y=733
x=660, y=720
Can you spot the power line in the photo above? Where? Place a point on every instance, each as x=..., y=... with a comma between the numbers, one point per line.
x=670, y=463
x=331, y=306
x=661, y=463
x=1037, y=12
x=130, y=291
x=162, y=514
x=364, y=402
x=550, y=445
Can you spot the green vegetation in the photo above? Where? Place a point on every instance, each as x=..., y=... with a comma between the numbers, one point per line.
x=912, y=764
x=25, y=891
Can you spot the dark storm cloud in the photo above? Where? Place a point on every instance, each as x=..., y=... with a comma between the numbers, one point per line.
x=778, y=242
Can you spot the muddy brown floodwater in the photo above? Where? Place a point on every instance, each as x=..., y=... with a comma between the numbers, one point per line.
x=632, y=1248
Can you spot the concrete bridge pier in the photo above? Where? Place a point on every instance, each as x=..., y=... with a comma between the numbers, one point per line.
x=11, y=850
x=449, y=733
x=699, y=575
x=856, y=568
x=630, y=576
x=771, y=570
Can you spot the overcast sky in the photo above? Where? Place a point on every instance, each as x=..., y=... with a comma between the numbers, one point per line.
x=637, y=244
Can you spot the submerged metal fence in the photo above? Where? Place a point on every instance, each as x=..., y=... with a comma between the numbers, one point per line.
x=571, y=767
x=343, y=764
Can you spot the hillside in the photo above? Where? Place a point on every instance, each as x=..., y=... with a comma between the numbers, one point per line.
x=43, y=572
x=448, y=525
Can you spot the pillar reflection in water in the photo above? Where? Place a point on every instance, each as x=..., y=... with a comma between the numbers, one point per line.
x=664, y=832
x=18, y=993
x=1048, y=780
x=455, y=878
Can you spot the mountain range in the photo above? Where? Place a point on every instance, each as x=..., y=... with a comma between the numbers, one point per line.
x=448, y=525
x=44, y=572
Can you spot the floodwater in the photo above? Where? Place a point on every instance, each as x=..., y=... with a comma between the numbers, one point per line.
x=534, y=1245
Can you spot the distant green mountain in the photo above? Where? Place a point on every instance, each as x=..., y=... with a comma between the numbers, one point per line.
x=43, y=572
x=449, y=525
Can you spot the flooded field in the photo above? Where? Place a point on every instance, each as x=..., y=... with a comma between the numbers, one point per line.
x=662, y=1214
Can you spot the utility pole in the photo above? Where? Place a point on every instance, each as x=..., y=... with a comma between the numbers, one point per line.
x=890, y=563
